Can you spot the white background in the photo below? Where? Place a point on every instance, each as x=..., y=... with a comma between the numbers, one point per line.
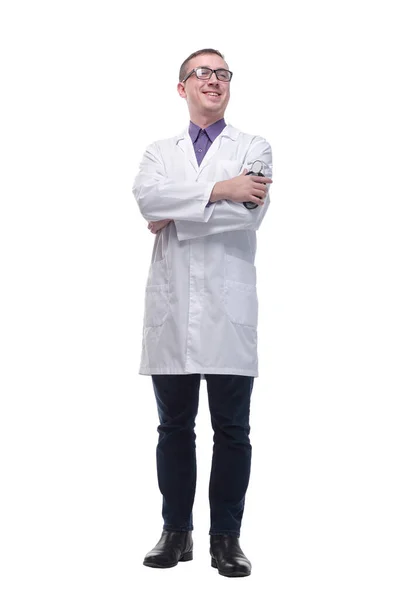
x=86, y=86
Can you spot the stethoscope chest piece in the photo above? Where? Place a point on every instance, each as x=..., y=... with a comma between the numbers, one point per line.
x=256, y=169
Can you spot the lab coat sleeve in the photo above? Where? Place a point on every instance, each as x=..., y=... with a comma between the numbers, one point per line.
x=228, y=215
x=161, y=198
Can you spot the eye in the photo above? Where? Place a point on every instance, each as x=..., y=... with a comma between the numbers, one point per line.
x=203, y=72
x=223, y=74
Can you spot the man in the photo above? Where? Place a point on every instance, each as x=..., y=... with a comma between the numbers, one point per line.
x=201, y=308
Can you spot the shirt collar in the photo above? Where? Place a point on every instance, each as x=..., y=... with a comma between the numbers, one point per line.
x=212, y=131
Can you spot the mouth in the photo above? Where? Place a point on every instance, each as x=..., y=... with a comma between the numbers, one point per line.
x=212, y=94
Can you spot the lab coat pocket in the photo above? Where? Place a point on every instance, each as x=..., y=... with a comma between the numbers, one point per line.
x=229, y=168
x=157, y=294
x=240, y=291
x=156, y=305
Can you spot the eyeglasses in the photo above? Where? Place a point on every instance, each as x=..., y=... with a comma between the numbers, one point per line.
x=206, y=73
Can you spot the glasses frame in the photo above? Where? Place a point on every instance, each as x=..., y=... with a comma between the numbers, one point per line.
x=211, y=74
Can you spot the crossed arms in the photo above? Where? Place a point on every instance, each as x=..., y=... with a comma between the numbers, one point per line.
x=203, y=208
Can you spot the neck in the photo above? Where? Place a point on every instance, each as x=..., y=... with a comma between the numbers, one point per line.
x=204, y=121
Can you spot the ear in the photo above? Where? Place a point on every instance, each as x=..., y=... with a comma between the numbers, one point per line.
x=181, y=90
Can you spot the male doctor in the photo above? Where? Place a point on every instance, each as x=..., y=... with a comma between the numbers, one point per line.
x=201, y=308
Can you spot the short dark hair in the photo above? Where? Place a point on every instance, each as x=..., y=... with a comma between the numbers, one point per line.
x=182, y=70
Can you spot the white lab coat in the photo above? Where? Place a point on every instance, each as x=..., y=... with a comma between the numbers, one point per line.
x=201, y=304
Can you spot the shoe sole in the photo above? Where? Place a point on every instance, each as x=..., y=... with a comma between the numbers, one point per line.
x=229, y=573
x=184, y=558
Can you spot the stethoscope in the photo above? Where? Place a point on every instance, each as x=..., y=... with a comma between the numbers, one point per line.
x=256, y=169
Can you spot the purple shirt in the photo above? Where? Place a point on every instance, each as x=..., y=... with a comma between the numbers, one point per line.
x=203, y=138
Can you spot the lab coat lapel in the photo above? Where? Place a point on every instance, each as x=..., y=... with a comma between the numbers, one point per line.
x=228, y=132
x=186, y=145
x=210, y=153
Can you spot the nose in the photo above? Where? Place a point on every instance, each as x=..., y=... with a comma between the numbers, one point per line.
x=213, y=75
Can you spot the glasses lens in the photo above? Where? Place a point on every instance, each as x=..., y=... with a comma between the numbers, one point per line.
x=223, y=75
x=203, y=73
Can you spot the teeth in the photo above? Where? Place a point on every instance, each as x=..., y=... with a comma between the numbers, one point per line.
x=211, y=94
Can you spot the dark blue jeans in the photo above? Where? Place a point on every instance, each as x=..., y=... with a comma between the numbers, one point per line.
x=177, y=403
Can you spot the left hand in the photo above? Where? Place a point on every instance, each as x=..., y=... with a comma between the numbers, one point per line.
x=156, y=226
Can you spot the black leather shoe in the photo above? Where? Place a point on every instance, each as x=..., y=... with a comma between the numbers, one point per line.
x=227, y=556
x=173, y=547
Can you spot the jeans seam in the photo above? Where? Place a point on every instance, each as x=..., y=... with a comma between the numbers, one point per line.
x=225, y=532
x=171, y=528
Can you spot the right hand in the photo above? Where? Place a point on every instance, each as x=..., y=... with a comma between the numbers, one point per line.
x=156, y=226
x=246, y=188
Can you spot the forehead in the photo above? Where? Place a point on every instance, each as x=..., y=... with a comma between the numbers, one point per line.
x=207, y=60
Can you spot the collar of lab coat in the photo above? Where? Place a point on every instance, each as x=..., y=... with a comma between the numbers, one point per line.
x=183, y=140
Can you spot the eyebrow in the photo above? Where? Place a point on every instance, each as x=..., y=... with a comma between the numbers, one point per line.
x=208, y=67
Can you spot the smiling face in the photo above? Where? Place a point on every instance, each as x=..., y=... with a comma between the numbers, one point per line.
x=206, y=99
